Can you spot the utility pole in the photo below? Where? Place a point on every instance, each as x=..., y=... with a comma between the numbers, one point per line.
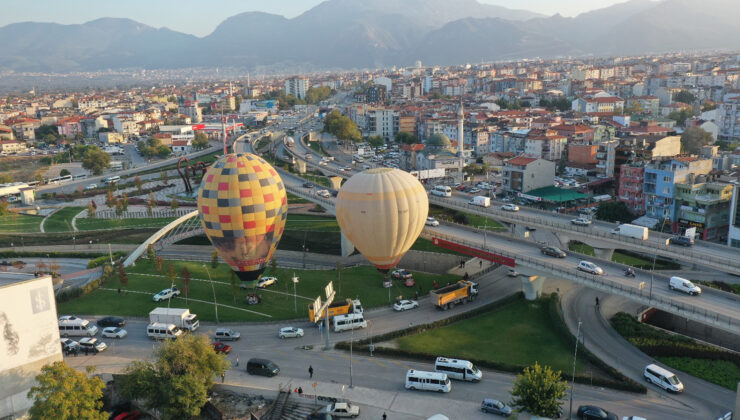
x=295, y=304
x=573, y=377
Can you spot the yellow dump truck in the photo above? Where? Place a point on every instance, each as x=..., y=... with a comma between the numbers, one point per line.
x=448, y=296
x=343, y=307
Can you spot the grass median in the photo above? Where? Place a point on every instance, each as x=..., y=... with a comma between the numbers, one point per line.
x=61, y=221
x=20, y=223
x=361, y=282
x=107, y=224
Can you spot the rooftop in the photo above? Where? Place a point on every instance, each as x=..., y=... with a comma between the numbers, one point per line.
x=9, y=279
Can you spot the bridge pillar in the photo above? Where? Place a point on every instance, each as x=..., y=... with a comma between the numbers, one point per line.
x=301, y=166
x=532, y=286
x=604, y=253
x=336, y=182
x=347, y=247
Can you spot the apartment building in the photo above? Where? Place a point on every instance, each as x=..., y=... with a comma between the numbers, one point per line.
x=296, y=86
x=523, y=174
x=631, y=181
x=383, y=122
x=661, y=178
x=704, y=206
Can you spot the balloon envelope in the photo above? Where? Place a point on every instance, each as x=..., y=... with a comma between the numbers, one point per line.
x=382, y=211
x=243, y=207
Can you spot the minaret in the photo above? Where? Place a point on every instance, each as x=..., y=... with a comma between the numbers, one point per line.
x=460, y=138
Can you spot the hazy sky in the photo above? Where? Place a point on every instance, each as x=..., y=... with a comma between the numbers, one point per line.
x=199, y=17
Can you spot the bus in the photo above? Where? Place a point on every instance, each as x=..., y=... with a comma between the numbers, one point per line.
x=442, y=191
x=79, y=176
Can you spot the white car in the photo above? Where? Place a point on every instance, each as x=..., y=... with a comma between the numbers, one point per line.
x=590, y=267
x=113, y=332
x=289, y=332
x=323, y=193
x=510, y=207
x=92, y=345
x=166, y=294
x=323, y=163
x=431, y=221
x=266, y=281
x=405, y=305
x=343, y=409
x=69, y=345
x=581, y=221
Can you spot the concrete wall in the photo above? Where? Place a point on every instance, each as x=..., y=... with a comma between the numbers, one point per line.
x=694, y=329
x=430, y=262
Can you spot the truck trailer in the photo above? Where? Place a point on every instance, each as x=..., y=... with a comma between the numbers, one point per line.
x=448, y=296
x=181, y=318
x=631, y=231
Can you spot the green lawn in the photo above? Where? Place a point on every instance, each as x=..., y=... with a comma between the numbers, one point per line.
x=321, y=180
x=720, y=372
x=581, y=248
x=99, y=224
x=518, y=333
x=364, y=283
x=20, y=223
x=622, y=257
x=484, y=222
x=316, y=147
x=474, y=220
x=294, y=199
x=61, y=221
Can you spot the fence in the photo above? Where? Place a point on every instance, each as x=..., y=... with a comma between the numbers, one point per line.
x=156, y=213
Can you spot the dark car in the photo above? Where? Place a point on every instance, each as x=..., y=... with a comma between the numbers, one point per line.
x=681, y=240
x=553, y=252
x=592, y=412
x=111, y=321
x=219, y=347
x=262, y=367
x=307, y=185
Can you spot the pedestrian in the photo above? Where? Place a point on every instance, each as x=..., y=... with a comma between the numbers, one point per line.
x=300, y=390
x=119, y=290
x=480, y=263
x=310, y=372
x=384, y=416
x=597, y=301
x=320, y=324
x=466, y=276
x=237, y=360
x=223, y=377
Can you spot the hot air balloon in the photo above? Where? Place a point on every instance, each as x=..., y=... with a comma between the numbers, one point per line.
x=243, y=207
x=382, y=212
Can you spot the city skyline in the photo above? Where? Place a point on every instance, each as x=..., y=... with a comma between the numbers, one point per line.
x=190, y=21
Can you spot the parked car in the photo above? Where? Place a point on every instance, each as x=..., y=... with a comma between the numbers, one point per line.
x=90, y=187
x=474, y=190
x=581, y=221
x=166, y=294
x=495, y=407
x=113, y=332
x=92, y=344
x=290, y=332
x=553, y=251
x=592, y=412
x=111, y=321
x=401, y=274
x=681, y=240
x=405, y=305
x=431, y=221
x=220, y=347
x=510, y=207
x=307, y=185
x=461, y=187
x=590, y=267
x=69, y=345
x=342, y=409
x=223, y=334
x=266, y=281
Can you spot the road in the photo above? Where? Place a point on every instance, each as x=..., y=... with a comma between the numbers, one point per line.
x=378, y=381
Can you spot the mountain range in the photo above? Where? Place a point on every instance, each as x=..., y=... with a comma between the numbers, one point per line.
x=355, y=34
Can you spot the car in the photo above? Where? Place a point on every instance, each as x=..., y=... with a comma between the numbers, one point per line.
x=69, y=345
x=92, y=345
x=69, y=318
x=495, y=407
x=113, y=332
x=581, y=221
x=323, y=193
x=290, y=332
x=307, y=185
x=431, y=221
x=681, y=240
x=346, y=169
x=460, y=187
x=323, y=163
x=474, y=190
x=592, y=412
x=343, y=409
x=510, y=207
x=512, y=273
x=111, y=321
x=365, y=166
x=89, y=187
x=266, y=281
x=223, y=334
x=166, y=294
x=405, y=304
x=220, y=347
x=401, y=274
x=590, y=267
x=553, y=251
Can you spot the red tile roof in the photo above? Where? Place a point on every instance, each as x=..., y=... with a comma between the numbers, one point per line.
x=521, y=161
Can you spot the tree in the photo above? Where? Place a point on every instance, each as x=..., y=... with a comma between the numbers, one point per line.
x=200, y=141
x=178, y=380
x=174, y=204
x=4, y=211
x=163, y=177
x=693, y=139
x=185, y=277
x=341, y=126
x=152, y=200
x=90, y=211
x=708, y=106
x=148, y=207
x=119, y=207
x=406, y=138
x=65, y=172
x=151, y=256
x=681, y=116
x=124, y=202
x=171, y=273
x=159, y=263
x=138, y=183
x=214, y=259
x=685, y=96
x=96, y=160
x=122, y=277
x=66, y=394
x=316, y=95
x=376, y=141
x=614, y=211
x=539, y=390
x=109, y=199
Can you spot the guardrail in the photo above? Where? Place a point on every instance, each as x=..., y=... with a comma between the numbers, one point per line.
x=720, y=263
x=694, y=312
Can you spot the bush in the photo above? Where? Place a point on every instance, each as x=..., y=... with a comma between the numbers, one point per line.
x=97, y=262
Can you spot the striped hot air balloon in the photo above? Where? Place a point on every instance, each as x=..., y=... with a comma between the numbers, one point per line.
x=382, y=212
x=243, y=207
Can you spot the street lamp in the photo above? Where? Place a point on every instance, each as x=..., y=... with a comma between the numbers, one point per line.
x=655, y=257
x=295, y=304
x=573, y=377
x=215, y=305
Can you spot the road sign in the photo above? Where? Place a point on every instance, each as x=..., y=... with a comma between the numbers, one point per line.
x=329, y=289
x=317, y=305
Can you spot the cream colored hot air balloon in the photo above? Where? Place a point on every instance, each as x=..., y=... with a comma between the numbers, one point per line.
x=382, y=212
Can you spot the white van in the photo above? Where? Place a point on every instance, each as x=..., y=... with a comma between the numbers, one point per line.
x=161, y=331
x=664, y=378
x=441, y=191
x=71, y=326
x=458, y=369
x=112, y=179
x=683, y=285
x=349, y=322
x=428, y=381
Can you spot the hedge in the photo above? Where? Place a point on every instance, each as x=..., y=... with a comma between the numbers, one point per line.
x=76, y=292
x=52, y=254
x=620, y=381
x=97, y=262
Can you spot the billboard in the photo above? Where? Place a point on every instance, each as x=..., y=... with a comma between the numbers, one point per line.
x=429, y=173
